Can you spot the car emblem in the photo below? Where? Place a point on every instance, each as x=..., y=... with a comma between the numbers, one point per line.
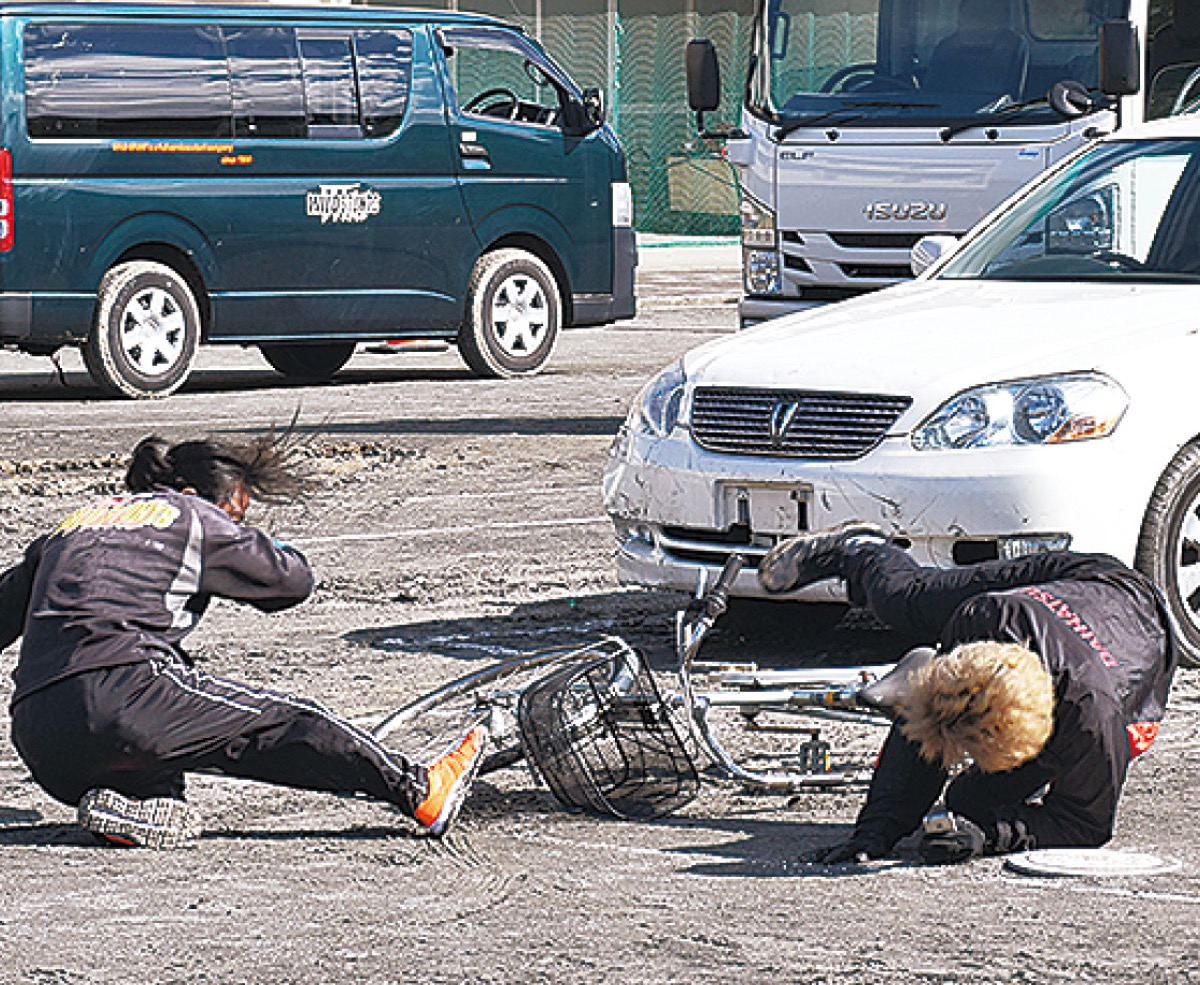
x=781, y=419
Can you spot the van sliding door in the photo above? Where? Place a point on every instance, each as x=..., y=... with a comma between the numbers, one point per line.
x=352, y=224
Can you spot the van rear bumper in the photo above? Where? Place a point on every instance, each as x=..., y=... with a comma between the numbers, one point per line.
x=599, y=309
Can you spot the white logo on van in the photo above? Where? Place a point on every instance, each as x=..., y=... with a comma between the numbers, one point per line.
x=344, y=203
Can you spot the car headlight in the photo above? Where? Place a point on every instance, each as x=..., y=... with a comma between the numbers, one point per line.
x=1048, y=411
x=657, y=408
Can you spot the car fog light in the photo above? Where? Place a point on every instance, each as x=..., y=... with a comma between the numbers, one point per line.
x=762, y=272
x=1014, y=547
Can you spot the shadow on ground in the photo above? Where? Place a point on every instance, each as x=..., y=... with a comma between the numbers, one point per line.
x=771, y=634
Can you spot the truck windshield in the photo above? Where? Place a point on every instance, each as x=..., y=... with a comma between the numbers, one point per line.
x=921, y=62
x=1123, y=211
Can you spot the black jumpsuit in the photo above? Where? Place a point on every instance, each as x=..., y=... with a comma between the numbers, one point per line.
x=106, y=697
x=1104, y=635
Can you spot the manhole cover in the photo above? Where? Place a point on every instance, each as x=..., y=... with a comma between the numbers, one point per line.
x=1088, y=862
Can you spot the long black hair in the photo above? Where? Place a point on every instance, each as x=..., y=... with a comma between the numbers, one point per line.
x=215, y=469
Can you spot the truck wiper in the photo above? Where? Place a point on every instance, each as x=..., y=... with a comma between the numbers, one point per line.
x=1004, y=112
x=834, y=114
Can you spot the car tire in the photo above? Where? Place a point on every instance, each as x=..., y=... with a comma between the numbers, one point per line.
x=316, y=363
x=514, y=312
x=146, y=331
x=1168, y=550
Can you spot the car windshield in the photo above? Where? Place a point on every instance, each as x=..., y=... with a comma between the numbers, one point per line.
x=913, y=62
x=1122, y=211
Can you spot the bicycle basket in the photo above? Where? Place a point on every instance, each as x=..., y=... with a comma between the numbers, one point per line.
x=601, y=736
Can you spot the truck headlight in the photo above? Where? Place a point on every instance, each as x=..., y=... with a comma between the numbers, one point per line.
x=758, y=224
x=760, y=250
x=1050, y=410
x=657, y=408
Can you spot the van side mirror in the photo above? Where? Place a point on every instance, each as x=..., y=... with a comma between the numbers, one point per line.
x=594, y=107
x=1120, y=61
x=703, y=78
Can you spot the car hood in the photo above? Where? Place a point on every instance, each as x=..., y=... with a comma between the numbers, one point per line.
x=931, y=339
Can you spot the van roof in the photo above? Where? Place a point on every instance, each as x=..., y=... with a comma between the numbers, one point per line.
x=293, y=10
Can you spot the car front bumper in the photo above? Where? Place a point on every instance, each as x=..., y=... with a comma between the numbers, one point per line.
x=679, y=511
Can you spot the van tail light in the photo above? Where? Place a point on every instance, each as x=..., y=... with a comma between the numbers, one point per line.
x=6, y=201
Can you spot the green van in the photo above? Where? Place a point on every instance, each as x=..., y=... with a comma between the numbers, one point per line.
x=298, y=179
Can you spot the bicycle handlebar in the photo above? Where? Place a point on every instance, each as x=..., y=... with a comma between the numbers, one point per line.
x=716, y=599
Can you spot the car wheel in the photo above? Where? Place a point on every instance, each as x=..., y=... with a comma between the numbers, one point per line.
x=513, y=315
x=1168, y=550
x=146, y=332
x=311, y=363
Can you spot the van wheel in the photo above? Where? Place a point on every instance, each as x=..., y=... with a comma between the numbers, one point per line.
x=146, y=331
x=311, y=363
x=513, y=315
x=1168, y=550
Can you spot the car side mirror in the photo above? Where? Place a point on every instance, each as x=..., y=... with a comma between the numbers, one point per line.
x=1120, y=62
x=928, y=250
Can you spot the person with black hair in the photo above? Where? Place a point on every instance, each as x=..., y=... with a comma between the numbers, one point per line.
x=109, y=713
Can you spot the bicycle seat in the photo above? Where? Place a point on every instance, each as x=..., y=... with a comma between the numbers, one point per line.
x=885, y=694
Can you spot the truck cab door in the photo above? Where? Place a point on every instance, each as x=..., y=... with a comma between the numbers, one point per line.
x=528, y=163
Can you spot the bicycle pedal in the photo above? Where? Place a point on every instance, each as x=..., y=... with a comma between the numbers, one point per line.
x=816, y=755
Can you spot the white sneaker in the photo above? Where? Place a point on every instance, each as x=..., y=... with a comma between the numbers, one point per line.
x=160, y=822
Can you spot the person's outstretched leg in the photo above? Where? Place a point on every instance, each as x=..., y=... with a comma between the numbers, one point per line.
x=904, y=594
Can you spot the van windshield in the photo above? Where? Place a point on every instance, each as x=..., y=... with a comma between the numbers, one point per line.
x=1124, y=211
x=921, y=62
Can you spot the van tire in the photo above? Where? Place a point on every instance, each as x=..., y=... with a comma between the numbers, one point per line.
x=316, y=363
x=514, y=312
x=146, y=331
x=1168, y=550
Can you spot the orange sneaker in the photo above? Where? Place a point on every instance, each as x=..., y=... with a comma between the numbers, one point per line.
x=449, y=780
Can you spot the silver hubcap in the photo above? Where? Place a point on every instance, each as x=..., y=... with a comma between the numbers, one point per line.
x=152, y=333
x=520, y=315
x=1187, y=561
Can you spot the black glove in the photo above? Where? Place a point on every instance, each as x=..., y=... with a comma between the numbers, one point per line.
x=951, y=838
x=855, y=849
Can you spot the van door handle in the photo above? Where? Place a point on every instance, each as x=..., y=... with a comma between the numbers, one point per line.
x=477, y=151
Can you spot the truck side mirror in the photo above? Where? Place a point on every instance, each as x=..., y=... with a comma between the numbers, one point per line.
x=1120, y=62
x=703, y=78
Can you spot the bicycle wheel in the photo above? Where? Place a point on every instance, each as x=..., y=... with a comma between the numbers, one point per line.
x=425, y=728
x=785, y=730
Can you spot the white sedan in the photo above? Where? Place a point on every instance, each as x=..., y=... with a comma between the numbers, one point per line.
x=1032, y=390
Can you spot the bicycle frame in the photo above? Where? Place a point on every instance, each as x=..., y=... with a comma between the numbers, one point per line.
x=829, y=693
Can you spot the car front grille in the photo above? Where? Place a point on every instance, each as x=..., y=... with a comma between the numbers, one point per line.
x=792, y=423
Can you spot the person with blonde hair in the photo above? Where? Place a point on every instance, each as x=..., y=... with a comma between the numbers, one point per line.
x=110, y=714
x=1051, y=674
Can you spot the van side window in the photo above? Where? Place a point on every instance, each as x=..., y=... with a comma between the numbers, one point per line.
x=384, y=60
x=106, y=80
x=268, y=94
x=496, y=75
x=330, y=86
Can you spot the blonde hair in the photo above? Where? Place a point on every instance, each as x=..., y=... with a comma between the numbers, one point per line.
x=990, y=701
